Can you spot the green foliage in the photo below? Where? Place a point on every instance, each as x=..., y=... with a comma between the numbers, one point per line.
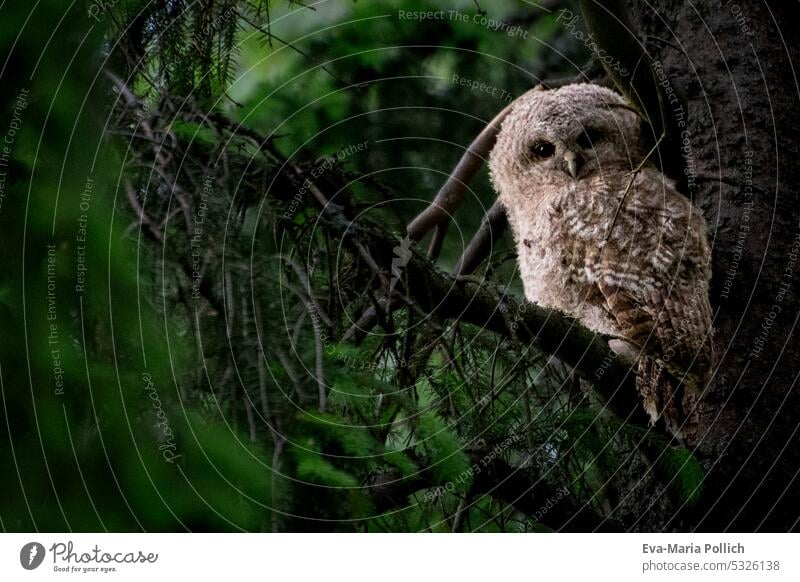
x=315, y=469
x=684, y=473
x=98, y=437
x=438, y=443
x=200, y=377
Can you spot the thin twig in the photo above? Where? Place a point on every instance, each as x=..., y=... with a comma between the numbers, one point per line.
x=270, y=35
x=492, y=226
x=633, y=173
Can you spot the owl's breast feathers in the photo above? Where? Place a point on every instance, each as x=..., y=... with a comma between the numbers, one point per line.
x=638, y=269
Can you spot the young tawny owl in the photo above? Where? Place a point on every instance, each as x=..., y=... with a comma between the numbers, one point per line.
x=603, y=235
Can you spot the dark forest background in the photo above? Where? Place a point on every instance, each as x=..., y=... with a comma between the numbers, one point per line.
x=214, y=317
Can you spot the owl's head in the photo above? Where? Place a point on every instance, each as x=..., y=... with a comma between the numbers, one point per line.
x=552, y=138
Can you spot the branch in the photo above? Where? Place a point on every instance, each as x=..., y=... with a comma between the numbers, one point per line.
x=451, y=194
x=482, y=304
x=492, y=226
x=437, y=214
x=586, y=352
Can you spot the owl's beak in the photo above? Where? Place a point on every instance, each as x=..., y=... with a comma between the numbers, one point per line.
x=571, y=163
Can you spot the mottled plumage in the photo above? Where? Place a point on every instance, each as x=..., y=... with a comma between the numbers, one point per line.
x=619, y=249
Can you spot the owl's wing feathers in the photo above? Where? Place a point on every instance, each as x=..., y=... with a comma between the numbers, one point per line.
x=653, y=274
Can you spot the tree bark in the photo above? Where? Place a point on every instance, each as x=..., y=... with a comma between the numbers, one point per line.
x=735, y=65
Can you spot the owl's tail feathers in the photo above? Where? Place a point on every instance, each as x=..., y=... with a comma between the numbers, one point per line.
x=666, y=398
x=690, y=358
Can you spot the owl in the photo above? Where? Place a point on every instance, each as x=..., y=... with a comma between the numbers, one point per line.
x=603, y=235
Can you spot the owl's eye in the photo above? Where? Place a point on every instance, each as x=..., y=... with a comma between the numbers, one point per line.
x=544, y=149
x=589, y=138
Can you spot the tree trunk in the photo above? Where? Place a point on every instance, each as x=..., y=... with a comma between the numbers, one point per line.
x=734, y=63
